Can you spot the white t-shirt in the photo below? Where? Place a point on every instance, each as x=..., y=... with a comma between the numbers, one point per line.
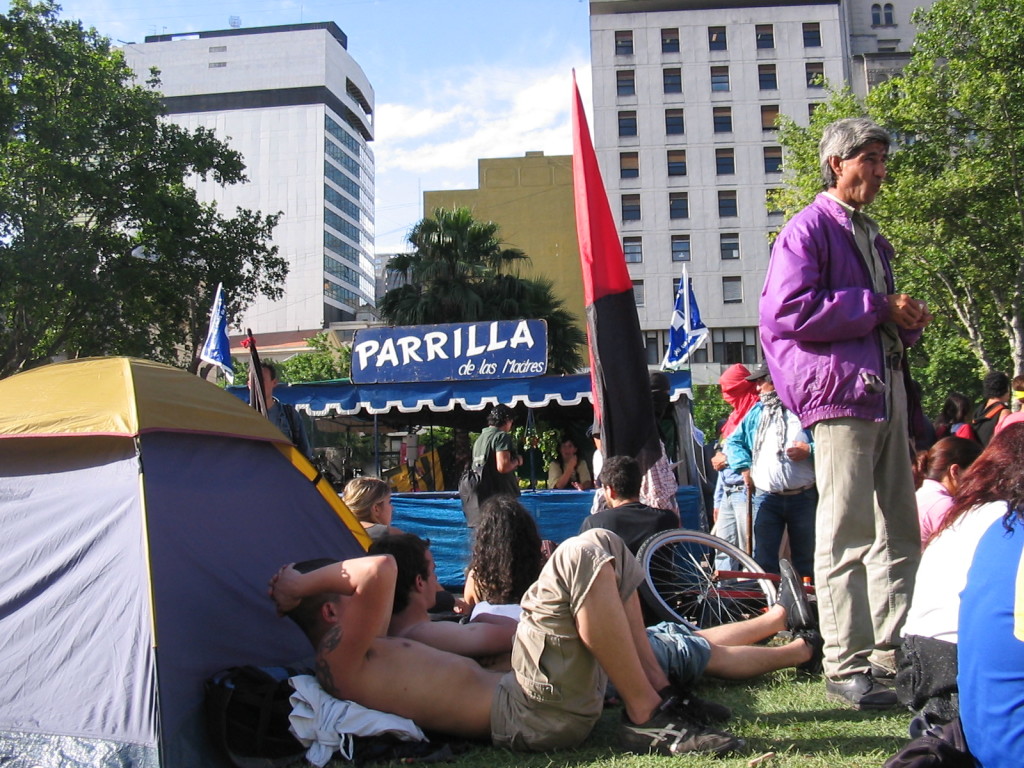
x=942, y=574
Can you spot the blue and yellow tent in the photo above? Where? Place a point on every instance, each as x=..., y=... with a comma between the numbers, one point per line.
x=142, y=512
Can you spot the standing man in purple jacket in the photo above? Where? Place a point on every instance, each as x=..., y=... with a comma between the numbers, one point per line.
x=834, y=331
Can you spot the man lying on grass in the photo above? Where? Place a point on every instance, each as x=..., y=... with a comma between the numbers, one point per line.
x=581, y=625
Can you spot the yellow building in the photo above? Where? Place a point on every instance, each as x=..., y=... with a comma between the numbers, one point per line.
x=530, y=199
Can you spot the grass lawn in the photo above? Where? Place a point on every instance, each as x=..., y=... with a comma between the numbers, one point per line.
x=785, y=713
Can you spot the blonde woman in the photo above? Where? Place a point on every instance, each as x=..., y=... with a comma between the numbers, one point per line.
x=370, y=501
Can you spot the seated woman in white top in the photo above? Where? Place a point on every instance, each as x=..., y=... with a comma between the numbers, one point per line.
x=926, y=662
x=939, y=469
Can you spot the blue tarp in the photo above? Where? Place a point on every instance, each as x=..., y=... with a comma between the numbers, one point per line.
x=438, y=517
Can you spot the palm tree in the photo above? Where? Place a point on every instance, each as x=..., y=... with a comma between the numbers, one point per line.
x=460, y=272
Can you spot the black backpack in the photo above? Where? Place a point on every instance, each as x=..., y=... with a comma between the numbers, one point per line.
x=941, y=746
x=247, y=712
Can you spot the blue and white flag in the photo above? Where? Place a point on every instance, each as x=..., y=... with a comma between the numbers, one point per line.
x=687, y=331
x=217, y=349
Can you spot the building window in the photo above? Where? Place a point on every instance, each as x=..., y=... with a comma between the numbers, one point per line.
x=722, y=119
x=638, y=292
x=633, y=249
x=767, y=80
x=732, y=291
x=629, y=165
x=765, y=34
x=627, y=123
x=727, y=205
x=771, y=204
x=716, y=39
x=730, y=245
x=734, y=345
x=624, y=42
x=772, y=159
x=672, y=80
x=815, y=74
x=217, y=64
x=719, y=78
x=678, y=205
x=812, y=34
x=769, y=117
x=670, y=40
x=680, y=247
x=631, y=207
x=625, y=82
x=677, y=162
x=883, y=15
x=811, y=107
x=223, y=48
x=674, y=121
x=725, y=161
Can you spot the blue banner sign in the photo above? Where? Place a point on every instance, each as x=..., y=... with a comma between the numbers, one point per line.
x=502, y=349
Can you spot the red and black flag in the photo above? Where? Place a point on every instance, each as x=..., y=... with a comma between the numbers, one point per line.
x=618, y=359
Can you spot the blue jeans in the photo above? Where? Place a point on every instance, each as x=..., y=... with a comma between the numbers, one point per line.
x=775, y=512
x=680, y=651
x=732, y=524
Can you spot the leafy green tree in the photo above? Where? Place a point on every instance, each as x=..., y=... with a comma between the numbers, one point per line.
x=955, y=203
x=92, y=175
x=326, y=362
x=460, y=272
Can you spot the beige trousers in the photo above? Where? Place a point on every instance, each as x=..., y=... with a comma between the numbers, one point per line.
x=867, y=537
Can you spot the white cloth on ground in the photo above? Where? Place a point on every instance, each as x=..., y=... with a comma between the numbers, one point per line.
x=325, y=724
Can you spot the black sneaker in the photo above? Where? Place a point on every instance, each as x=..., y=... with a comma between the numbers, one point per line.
x=671, y=732
x=793, y=598
x=703, y=711
x=813, y=638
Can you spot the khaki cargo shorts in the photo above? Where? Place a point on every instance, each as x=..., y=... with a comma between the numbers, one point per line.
x=555, y=693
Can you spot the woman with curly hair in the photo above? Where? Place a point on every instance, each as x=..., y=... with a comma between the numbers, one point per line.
x=989, y=491
x=507, y=554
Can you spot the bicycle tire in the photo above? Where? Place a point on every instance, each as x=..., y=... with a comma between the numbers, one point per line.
x=682, y=585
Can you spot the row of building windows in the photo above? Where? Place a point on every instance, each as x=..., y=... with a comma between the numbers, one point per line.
x=732, y=291
x=679, y=205
x=344, y=138
x=341, y=295
x=672, y=78
x=725, y=162
x=341, y=248
x=721, y=120
x=341, y=179
x=728, y=242
x=342, y=203
x=339, y=270
x=727, y=346
x=339, y=224
x=718, y=38
x=342, y=158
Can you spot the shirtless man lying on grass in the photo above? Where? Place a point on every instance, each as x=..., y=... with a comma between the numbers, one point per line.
x=726, y=651
x=581, y=622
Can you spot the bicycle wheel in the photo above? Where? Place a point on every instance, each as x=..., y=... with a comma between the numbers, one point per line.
x=681, y=582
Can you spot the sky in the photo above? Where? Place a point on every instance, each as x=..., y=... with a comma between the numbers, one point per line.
x=454, y=80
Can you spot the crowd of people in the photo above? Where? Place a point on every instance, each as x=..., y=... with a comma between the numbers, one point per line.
x=915, y=562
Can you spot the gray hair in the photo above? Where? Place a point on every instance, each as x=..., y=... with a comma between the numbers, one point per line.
x=844, y=139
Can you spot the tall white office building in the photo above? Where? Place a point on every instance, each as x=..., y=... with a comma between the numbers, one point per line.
x=686, y=94
x=300, y=110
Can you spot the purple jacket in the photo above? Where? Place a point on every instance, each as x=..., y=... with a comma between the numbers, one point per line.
x=820, y=318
